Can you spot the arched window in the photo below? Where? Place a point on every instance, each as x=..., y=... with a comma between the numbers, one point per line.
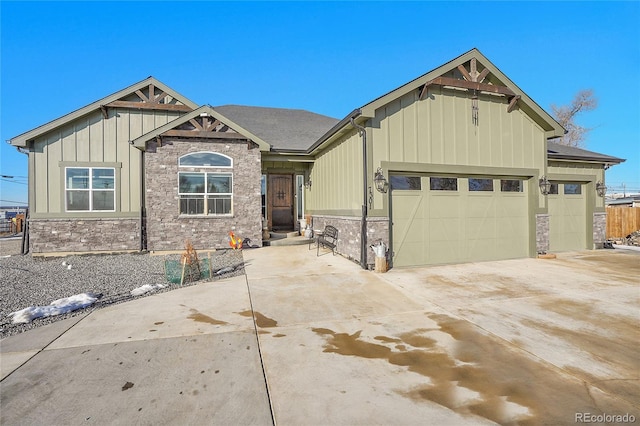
x=205, y=192
x=204, y=159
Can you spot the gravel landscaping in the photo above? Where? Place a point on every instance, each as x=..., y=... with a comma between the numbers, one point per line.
x=26, y=281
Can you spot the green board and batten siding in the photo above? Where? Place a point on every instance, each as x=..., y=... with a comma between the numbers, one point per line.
x=336, y=177
x=439, y=131
x=90, y=140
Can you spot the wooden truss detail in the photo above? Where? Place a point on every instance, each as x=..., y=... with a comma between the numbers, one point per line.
x=472, y=80
x=204, y=126
x=150, y=101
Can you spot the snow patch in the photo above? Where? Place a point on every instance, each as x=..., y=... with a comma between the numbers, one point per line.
x=146, y=289
x=57, y=307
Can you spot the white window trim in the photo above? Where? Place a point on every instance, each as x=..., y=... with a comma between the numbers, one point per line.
x=205, y=195
x=90, y=190
x=205, y=167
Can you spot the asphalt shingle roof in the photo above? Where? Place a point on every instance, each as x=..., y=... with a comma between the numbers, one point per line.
x=556, y=150
x=283, y=129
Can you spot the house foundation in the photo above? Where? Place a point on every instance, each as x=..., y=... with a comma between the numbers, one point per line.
x=349, y=234
x=84, y=235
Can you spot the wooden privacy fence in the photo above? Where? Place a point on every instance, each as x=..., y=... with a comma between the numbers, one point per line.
x=622, y=221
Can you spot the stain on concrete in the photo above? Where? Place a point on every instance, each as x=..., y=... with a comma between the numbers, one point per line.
x=479, y=375
x=261, y=320
x=349, y=344
x=200, y=317
x=617, y=350
x=127, y=386
x=279, y=335
x=386, y=339
x=158, y=323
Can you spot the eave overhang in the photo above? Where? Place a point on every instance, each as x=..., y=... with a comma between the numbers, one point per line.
x=609, y=161
x=339, y=129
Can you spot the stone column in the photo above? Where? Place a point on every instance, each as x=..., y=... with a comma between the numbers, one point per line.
x=599, y=229
x=542, y=233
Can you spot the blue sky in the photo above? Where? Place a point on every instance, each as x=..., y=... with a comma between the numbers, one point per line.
x=326, y=57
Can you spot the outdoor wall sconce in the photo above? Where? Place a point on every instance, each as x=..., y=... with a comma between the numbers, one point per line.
x=307, y=184
x=381, y=182
x=601, y=189
x=545, y=185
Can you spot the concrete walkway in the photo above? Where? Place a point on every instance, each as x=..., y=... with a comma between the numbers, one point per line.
x=306, y=340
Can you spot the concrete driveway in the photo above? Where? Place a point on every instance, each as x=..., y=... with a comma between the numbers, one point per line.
x=523, y=341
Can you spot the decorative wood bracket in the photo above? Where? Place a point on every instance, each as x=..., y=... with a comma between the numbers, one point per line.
x=203, y=134
x=512, y=103
x=469, y=85
x=105, y=111
x=148, y=106
x=472, y=80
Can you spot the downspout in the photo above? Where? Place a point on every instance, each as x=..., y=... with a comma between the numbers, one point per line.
x=141, y=219
x=143, y=213
x=24, y=243
x=363, y=230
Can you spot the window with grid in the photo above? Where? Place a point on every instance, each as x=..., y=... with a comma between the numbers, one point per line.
x=90, y=189
x=205, y=193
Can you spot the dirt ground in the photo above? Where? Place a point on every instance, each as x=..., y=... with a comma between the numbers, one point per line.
x=10, y=246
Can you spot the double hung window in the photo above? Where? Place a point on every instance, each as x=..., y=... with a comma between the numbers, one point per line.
x=90, y=189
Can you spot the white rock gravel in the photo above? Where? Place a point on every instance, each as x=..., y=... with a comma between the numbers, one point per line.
x=27, y=281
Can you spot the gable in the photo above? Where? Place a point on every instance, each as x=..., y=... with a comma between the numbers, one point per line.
x=148, y=94
x=204, y=122
x=474, y=73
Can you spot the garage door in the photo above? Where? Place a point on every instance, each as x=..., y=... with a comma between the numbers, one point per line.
x=440, y=220
x=567, y=217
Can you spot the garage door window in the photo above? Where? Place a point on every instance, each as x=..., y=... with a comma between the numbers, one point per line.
x=443, y=184
x=553, y=189
x=511, y=185
x=406, y=183
x=480, y=185
x=572, y=188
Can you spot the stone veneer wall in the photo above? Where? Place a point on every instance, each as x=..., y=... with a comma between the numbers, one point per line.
x=349, y=229
x=599, y=229
x=167, y=229
x=542, y=233
x=83, y=235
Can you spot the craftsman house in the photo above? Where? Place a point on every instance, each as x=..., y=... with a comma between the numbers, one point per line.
x=457, y=165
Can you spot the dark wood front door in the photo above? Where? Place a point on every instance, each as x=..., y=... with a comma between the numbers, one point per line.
x=280, y=194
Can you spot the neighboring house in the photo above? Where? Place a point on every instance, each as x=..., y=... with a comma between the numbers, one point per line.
x=628, y=201
x=446, y=168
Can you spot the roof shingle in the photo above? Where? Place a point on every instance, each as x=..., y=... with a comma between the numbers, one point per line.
x=283, y=129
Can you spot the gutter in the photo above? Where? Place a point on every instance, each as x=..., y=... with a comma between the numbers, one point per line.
x=348, y=119
x=363, y=228
x=608, y=160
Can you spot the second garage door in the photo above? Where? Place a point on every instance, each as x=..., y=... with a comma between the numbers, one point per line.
x=567, y=217
x=439, y=219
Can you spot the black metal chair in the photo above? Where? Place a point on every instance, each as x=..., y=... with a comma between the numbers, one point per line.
x=328, y=239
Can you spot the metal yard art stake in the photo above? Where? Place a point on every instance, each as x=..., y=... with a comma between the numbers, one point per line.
x=190, y=264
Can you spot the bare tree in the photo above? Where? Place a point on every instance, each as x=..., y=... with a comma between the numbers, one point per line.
x=584, y=100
